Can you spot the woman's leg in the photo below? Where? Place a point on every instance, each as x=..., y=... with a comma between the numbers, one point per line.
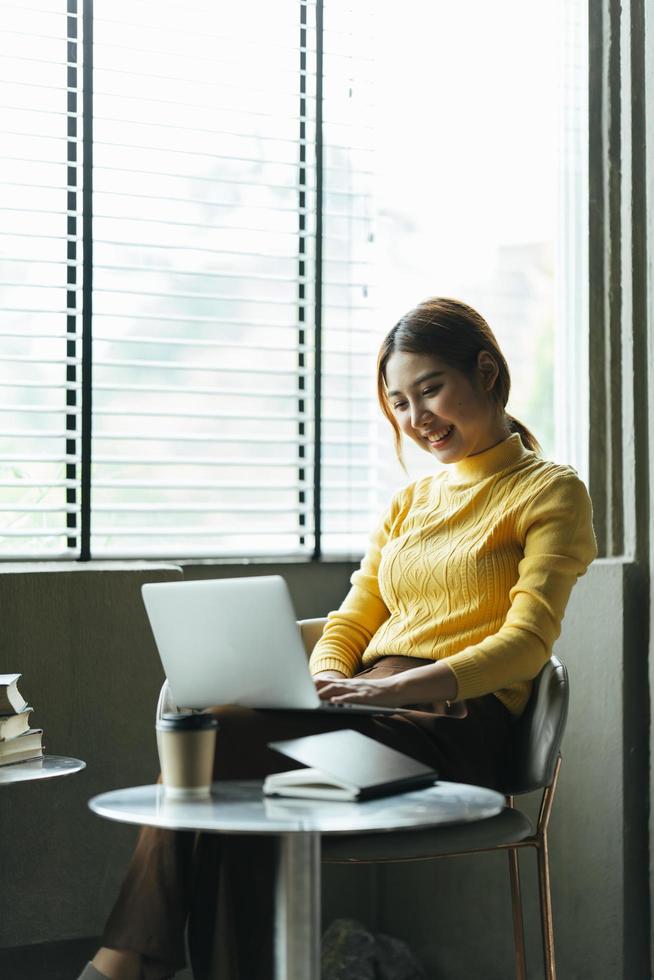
x=149, y=916
x=230, y=928
x=169, y=868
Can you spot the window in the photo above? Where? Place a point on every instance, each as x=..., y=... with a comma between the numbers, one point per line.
x=200, y=135
x=209, y=223
x=204, y=279
x=482, y=190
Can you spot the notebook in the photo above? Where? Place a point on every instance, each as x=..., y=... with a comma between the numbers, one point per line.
x=345, y=765
x=235, y=641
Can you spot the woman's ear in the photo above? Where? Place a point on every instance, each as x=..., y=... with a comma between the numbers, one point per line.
x=488, y=369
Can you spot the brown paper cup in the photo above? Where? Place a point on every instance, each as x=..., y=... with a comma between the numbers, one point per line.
x=187, y=744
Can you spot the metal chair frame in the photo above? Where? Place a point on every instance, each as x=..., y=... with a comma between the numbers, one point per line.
x=539, y=842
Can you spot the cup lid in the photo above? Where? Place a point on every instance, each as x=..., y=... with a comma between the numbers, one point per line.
x=186, y=721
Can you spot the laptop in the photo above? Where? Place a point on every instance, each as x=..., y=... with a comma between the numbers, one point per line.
x=235, y=641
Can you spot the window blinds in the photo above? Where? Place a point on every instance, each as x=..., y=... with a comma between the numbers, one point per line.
x=204, y=237
x=206, y=230
x=40, y=280
x=227, y=279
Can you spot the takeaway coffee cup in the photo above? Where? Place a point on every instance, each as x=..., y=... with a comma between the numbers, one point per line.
x=186, y=744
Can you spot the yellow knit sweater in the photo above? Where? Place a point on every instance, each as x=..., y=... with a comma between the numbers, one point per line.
x=474, y=565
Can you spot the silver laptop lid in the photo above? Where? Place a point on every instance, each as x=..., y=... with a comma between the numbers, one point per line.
x=230, y=641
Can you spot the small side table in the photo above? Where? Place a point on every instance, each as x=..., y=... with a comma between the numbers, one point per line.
x=239, y=807
x=46, y=767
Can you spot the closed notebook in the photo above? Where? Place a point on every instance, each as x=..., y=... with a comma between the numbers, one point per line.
x=345, y=765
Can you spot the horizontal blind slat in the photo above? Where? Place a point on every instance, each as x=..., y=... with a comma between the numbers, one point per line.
x=63, y=532
x=212, y=485
x=195, y=366
x=209, y=461
x=214, y=416
x=101, y=437
x=208, y=532
x=194, y=344
x=160, y=508
x=233, y=275
x=197, y=390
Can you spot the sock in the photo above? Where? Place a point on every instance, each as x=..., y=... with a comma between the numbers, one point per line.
x=91, y=973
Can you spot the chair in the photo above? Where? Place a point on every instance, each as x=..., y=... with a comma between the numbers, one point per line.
x=536, y=764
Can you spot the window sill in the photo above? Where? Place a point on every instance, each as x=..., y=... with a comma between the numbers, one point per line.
x=134, y=565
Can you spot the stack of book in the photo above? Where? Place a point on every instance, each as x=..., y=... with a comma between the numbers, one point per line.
x=18, y=741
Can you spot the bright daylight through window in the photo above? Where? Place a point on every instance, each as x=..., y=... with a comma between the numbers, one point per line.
x=211, y=214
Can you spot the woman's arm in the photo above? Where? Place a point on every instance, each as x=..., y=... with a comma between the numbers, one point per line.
x=350, y=628
x=559, y=544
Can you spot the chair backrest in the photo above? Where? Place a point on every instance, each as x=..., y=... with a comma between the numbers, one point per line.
x=311, y=630
x=538, y=732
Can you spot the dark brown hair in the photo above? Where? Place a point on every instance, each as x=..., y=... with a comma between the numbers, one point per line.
x=454, y=332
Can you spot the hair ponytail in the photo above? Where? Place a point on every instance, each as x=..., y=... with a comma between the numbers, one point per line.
x=529, y=440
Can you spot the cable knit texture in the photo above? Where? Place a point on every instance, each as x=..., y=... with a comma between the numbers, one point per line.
x=474, y=565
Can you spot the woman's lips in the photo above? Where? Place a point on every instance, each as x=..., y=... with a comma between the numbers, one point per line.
x=437, y=443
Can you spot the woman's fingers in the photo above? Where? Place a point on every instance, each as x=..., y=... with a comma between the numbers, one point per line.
x=322, y=682
x=362, y=692
x=327, y=689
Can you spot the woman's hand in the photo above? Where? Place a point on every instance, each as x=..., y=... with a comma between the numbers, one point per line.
x=428, y=684
x=384, y=691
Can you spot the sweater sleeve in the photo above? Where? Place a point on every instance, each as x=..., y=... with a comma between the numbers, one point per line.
x=559, y=544
x=350, y=629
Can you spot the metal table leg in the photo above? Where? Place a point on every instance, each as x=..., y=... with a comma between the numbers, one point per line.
x=297, y=908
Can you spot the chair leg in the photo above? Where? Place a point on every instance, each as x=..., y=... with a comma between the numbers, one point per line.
x=518, y=927
x=546, y=908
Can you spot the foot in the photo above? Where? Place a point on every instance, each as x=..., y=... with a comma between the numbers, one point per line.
x=117, y=964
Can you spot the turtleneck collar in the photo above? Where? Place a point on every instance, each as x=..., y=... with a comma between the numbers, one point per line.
x=491, y=461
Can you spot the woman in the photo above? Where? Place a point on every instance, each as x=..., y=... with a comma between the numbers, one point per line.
x=452, y=613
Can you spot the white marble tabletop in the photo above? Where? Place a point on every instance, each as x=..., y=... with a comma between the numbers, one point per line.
x=239, y=807
x=46, y=767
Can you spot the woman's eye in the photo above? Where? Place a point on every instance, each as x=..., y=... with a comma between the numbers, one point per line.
x=432, y=391
x=399, y=405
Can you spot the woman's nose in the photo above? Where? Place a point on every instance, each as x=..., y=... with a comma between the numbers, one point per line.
x=418, y=415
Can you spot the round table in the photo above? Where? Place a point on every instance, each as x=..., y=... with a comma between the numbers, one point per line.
x=239, y=807
x=45, y=767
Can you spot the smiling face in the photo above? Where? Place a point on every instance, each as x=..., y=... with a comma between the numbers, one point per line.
x=447, y=413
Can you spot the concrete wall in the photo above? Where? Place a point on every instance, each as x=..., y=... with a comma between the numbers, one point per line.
x=80, y=637
x=82, y=642
x=91, y=672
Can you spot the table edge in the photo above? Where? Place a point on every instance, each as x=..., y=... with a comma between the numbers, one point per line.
x=95, y=805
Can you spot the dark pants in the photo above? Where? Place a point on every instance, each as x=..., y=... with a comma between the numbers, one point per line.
x=222, y=886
